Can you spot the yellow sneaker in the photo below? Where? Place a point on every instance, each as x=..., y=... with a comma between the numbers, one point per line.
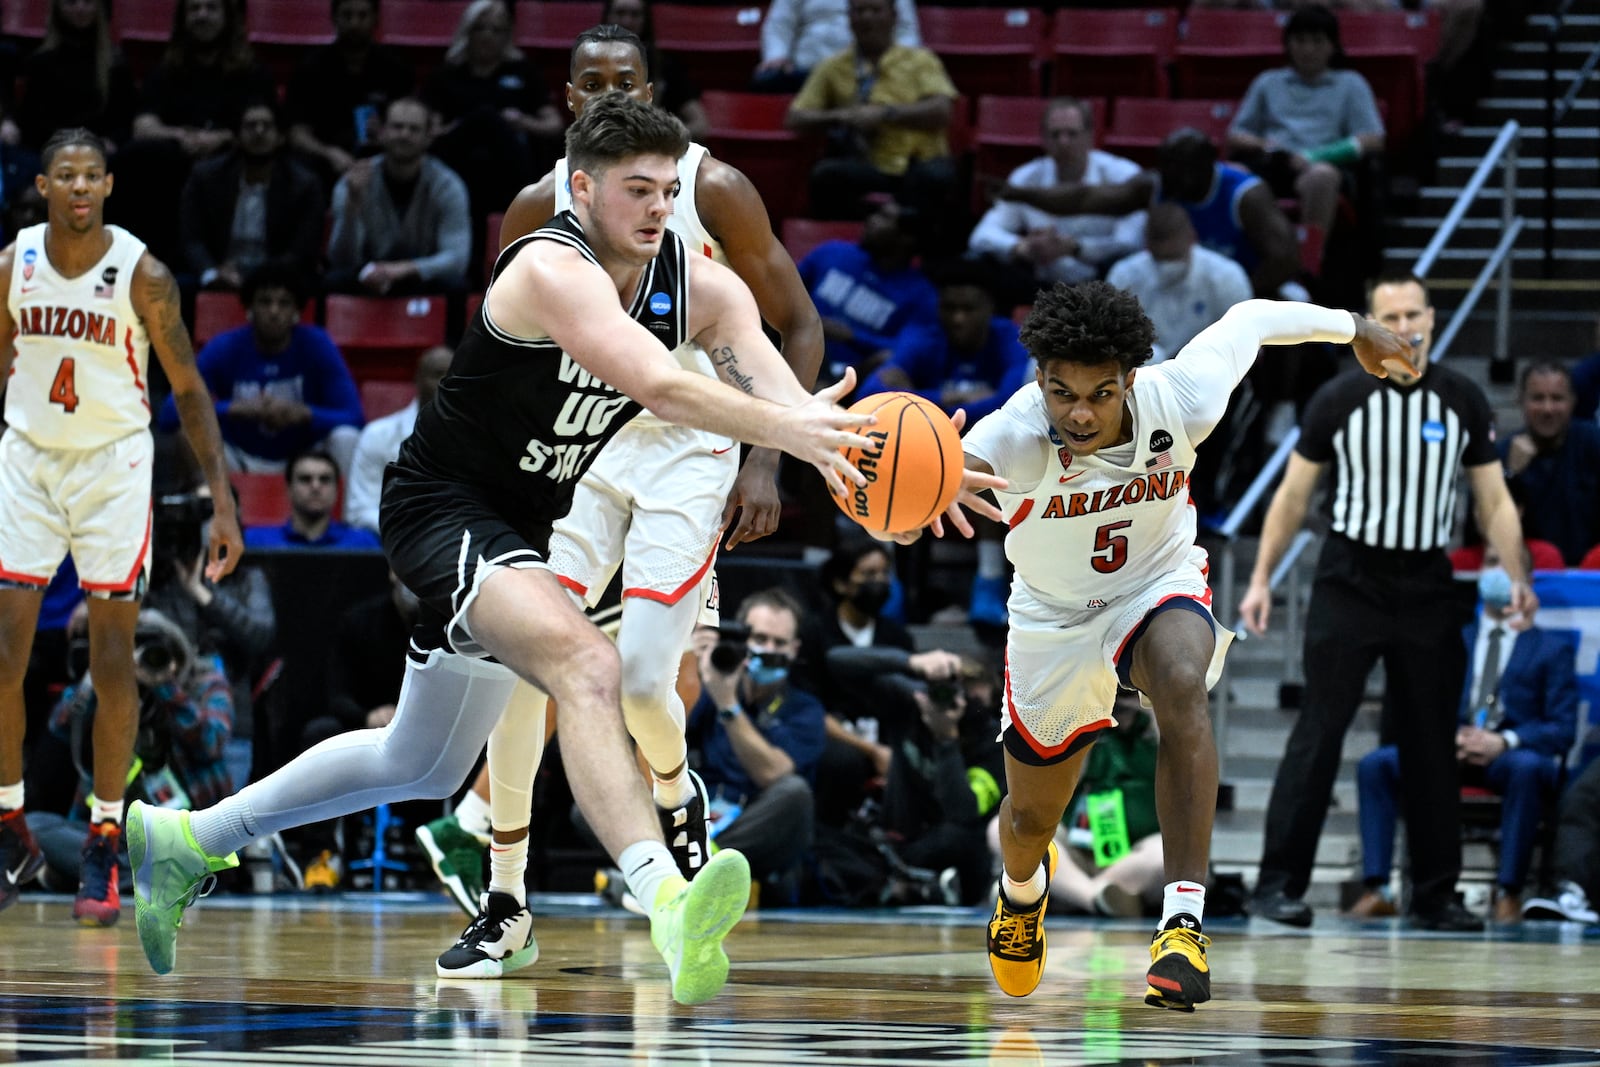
x=1016, y=938
x=1179, y=978
x=324, y=873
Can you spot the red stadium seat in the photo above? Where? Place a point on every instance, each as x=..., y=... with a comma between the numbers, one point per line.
x=545, y=30
x=301, y=22
x=1362, y=31
x=420, y=23
x=381, y=337
x=722, y=44
x=1222, y=51
x=987, y=50
x=217, y=312
x=800, y=235
x=1544, y=555
x=747, y=132
x=142, y=30
x=263, y=499
x=1590, y=560
x=1008, y=132
x=24, y=18
x=1138, y=126
x=1122, y=52
x=380, y=397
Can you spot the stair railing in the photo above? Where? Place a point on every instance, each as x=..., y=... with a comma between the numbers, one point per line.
x=1555, y=113
x=1502, y=153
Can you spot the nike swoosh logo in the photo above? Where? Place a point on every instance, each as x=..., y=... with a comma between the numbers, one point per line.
x=16, y=873
x=720, y=451
x=1186, y=889
x=134, y=463
x=1068, y=477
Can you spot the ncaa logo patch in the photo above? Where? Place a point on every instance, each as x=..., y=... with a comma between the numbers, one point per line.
x=1433, y=431
x=660, y=303
x=28, y=259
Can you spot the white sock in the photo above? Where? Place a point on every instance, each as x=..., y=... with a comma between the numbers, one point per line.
x=672, y=793
x=473, y=815
x=507, y=865
x=100, y=811
x=1182, y=898
x=647, y=865
x=1025, y=895
x=10, y=797
x=991, y=559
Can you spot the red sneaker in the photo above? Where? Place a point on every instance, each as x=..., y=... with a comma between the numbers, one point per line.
x=98, y=903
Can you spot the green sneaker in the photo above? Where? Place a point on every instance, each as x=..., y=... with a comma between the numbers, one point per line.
x=169, y=872
x=457, y=858
x=687, y=927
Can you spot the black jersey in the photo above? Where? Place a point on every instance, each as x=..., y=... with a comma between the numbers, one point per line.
x=519, y=417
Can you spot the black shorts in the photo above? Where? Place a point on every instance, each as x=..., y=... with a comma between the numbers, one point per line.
x=443, y=538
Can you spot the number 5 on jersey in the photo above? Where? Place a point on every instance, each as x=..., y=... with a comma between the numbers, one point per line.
x=1106, y=539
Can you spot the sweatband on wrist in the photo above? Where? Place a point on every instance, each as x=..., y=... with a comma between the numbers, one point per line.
x=1339, y=152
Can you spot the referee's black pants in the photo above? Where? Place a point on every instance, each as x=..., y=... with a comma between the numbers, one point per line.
x=1369, y=605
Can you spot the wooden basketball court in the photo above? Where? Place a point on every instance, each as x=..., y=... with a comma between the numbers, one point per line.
x=349, y=980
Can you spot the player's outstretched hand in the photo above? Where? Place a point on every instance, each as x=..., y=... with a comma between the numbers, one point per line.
x=972, y=483
x=815, y=431
x=227, y=545
x=1381, y=353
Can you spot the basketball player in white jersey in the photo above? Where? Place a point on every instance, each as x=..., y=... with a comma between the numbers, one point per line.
x=84, y=305
x=658, y=497
x=1110, y=588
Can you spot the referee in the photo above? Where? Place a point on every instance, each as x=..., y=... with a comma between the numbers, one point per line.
x=1383, y=590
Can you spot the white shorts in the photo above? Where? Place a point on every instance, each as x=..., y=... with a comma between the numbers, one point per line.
x=652, y=503
x=1061, y=665
x=94, y=503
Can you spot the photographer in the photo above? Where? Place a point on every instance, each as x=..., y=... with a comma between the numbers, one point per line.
x=230, y=622
x=759, y=738
x=940, y=716
x=180, y=751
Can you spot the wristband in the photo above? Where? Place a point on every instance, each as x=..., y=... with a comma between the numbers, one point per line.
x=1338, y=152
x=731, y=712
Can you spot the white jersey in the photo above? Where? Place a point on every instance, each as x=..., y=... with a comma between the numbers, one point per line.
x=78, y=380
x=685, y=222
x=1087, y=530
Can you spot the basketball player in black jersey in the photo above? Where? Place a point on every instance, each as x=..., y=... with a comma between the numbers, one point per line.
x=573, y=335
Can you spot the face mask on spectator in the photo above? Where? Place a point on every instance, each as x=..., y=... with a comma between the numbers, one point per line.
x=1172, y=271
x=870, y=597
x=767, y=668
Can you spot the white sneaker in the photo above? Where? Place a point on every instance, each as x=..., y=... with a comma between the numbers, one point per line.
x=1570, y=904
x=498, y=941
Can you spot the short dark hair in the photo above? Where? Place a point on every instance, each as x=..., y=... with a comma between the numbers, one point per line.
x=614, y=127
x=1397, y=277
x=71, y=137
x=275, y=276
x=609, y=33
x=333, y=7
x=1088, y=323
x=1313, y=20
x=779, y=600
x=261, y=100
x=847, y=555
x=1543, y=365
x=316, y=452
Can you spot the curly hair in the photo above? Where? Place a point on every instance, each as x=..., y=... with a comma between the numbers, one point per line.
x=1088, y=323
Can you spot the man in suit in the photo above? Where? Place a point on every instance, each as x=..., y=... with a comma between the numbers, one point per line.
x=1517, y=724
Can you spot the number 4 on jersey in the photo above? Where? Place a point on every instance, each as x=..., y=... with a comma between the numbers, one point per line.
x=64, y=390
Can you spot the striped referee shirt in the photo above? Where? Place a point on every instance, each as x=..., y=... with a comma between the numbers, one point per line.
x=1397, y=454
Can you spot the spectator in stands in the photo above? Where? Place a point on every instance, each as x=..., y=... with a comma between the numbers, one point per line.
x=189, y=109
x=313, y=480
x=1031, y=247
x=885, y=109
x=1182, y=287
x=380, y=442
x=759, y=738
x=669, y=76
x=969, y=359
x=1553, y=463
x=1519, y=714
x=77, y=77
x=870, y=293
x=250, y=206
x=339, y=92
x=498, y=129
x=400, y=219
x=280, y=386
x=796, y=35
x=1577, y=854
x=1305, y=127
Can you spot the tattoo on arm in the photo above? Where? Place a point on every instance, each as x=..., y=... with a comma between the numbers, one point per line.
x=727, y=363
x=162, y=312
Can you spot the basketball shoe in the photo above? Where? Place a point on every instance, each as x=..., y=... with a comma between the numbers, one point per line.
x=690, y=920
x=499, y=940
x=170, y=871
x=1016, y=937
x=20, y=858
x=684, y=830
x=1179, y=978
x=457, y=858
x=98, y=903
x=323, y=874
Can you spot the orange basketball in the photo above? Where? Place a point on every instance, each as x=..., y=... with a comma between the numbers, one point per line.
x=914, y=469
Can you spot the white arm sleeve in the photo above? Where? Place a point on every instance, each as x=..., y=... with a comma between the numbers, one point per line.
x=1205, y=373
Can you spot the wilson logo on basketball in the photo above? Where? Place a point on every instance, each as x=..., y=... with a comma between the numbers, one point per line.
x=867, y=464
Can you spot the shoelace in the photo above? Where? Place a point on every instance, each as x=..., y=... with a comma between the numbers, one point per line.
x=1016, y=934
x=483, y=928
x=1188, y=942
x=98, y=870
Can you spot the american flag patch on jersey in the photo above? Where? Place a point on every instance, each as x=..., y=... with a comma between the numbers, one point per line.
x=1156, y=463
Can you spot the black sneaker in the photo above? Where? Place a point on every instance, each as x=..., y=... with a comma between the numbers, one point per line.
x=97, y=903
x=685, y=830
x=499, y=940
x=20, y=858
x=1179, y=977
x=1280, y=907
x=1451, y=916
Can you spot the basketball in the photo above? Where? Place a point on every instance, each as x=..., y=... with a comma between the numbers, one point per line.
x=913, y=471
